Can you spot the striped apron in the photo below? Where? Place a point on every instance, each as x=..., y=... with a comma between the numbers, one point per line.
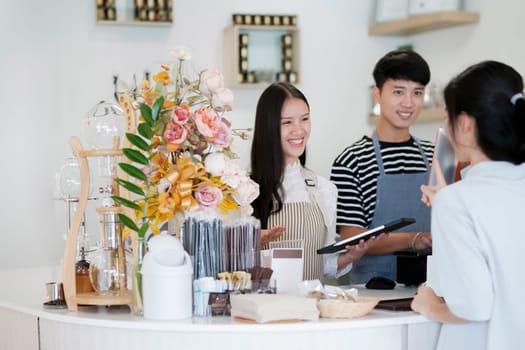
x=303, y=221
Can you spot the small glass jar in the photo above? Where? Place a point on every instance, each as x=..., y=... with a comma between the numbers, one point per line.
x=111, y=267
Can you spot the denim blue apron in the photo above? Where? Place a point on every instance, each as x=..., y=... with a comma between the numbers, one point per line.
x=397, y=195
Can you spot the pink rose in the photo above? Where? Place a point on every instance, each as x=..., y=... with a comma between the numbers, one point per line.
x=208, y=123
x=210, y=81
x=222, y=100
x=174, y=134
x=208, y=195
x=223, y=136
x=180, y=115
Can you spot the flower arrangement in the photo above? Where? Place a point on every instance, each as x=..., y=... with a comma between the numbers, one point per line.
x=181, y=159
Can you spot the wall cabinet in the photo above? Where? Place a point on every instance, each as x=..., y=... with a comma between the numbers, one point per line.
x=257, y=55
x=423, y=23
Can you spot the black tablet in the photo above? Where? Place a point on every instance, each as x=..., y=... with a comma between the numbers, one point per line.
x=388, y=227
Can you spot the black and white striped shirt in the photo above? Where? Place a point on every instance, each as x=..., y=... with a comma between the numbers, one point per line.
x=355, y=173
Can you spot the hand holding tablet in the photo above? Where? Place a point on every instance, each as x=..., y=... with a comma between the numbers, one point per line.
x=388, y=227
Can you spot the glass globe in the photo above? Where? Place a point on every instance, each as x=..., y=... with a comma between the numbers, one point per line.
x=103, y=122
x=68, y=179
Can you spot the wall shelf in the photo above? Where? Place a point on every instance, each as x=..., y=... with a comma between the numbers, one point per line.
x=431, y=114
x=264, y=52
x=423, y=23
x=136, y=23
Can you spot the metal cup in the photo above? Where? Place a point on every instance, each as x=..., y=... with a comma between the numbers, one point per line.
x=54, y=291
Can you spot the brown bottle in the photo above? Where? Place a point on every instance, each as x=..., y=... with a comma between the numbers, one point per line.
x=82, y=274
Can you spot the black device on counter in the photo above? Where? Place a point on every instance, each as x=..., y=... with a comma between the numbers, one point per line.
x=412, y=267
x=380, y=282
x=388, y=227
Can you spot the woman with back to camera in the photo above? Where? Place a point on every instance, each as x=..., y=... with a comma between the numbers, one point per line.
x=294, y=203
x=476, y=283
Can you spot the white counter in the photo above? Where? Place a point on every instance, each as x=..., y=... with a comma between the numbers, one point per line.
x=25, y=324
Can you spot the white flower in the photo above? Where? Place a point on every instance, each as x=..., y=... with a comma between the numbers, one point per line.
x=222, y=100
x=247, y=191
x=210, y=81
x=245, y=210
x=215, y=163
x=181, y=53
x=233, y=175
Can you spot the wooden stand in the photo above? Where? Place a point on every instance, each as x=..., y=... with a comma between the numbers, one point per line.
x=73, y=299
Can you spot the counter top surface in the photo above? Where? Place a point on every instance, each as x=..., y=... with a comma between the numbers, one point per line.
x=28, y=295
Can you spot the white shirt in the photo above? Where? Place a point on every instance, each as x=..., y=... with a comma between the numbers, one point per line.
x=294, y=191
x=478, y=239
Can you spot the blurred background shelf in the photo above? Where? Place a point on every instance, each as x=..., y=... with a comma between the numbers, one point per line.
x=423, y=23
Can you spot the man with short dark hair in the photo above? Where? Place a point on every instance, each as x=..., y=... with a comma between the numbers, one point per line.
x=379, y=177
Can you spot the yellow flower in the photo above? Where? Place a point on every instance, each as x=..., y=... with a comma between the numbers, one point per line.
x=162, y=77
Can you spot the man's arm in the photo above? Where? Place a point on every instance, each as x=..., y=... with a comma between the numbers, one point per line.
x=392, y=242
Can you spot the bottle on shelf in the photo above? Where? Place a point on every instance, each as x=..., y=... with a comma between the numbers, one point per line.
x=83, y=283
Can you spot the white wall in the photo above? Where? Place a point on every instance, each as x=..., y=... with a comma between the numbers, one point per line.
x=56, y=63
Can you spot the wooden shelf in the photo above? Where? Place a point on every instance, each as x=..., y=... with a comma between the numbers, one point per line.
x=432, y=114
x=136, y=23
x=94, y=298
x=424, y=23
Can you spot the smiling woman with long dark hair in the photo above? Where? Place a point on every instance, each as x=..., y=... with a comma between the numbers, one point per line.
x=294, y=203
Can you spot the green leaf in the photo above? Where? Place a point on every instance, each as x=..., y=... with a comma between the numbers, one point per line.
x=159, y=126
x=143, y=229
x=126, y=221
x=126, y=202
x=145, y=130
x=145, y=112
x=157, y=106
x=130, y=186
x=138, y=141
x=133, y=171
x=135, y=156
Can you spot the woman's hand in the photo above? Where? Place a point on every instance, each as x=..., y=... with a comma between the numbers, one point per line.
x=355, y=252
x=271, y=234
x=430, y=191
x=433, y=307
x=424, y=299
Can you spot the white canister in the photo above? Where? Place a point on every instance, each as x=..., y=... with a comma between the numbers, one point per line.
x=167, y=285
